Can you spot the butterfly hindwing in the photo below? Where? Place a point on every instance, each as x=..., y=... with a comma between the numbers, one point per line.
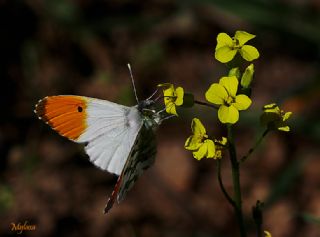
x=141, y=157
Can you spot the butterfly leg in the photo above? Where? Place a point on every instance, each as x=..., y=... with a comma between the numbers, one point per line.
x=168, y=117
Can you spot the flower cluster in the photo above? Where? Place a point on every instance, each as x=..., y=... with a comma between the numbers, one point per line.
x=229, y=96
x=275, y=118
x=200, y=145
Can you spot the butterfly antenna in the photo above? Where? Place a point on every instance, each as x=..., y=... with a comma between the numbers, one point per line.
x=132, y=80
x=153, y=94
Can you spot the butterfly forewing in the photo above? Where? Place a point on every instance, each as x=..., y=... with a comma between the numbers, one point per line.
x=113, y=136
x=108, y=129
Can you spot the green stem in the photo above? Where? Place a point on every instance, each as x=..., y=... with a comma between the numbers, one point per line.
x=224, y=191
x=236, y=181
x=206, y=104
x=244, y=158
x=257, y=217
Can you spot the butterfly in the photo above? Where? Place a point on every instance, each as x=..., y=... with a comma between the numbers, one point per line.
x=117, y=138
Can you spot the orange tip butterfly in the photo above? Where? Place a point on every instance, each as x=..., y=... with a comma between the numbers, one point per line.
x=117, y=138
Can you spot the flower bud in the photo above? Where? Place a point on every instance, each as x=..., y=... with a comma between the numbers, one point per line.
x=247, y=76
x=235, y=72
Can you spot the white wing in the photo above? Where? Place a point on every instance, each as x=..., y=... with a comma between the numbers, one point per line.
x=110, y=134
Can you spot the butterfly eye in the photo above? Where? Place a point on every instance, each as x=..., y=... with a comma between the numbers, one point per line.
x=80, y=109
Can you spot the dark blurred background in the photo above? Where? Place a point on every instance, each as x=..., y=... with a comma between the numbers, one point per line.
x=82, y=47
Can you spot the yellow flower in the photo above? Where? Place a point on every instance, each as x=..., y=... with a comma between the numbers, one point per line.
x=199, y=143
x=172, y=97
x=267, y=234
x=275, y=118
x=225, y=95
x=227, y=47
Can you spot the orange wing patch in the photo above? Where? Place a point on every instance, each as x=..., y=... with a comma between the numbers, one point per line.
x=65, y=114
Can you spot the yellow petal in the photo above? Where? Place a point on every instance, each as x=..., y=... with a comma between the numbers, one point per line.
x=249, y=53
x=272, y=108
x=267, y=233
x=228, y=114
x=225, y=54
x=243, y=37
x=187, y=144
x=179, y=93
x=231, y=85
x=211, y=148
x=284, y=129
x=171, y=108
x=223, y=40
x=216, y=94
x=223, y=141
x=242, y=102
x=197, y=127
x=169, y=92
x=287, y=115
x=201, y=152
x=192, y=143
x=166, y=84
x=168, y=103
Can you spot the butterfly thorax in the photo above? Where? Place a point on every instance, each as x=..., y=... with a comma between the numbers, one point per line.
x=151, y=117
